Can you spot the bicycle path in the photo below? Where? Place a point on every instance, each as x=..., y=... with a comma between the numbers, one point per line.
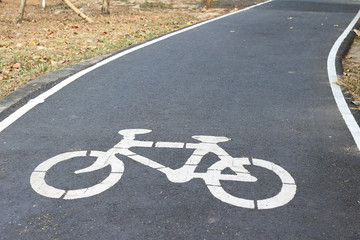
x=258, y=77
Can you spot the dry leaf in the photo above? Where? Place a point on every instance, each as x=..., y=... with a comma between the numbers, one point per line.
x=54, y=63
x=16, y=65
x=5, y=71
x=357, y=103
x=357, y=32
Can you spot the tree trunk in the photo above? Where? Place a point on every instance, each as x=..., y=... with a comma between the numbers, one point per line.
x=208, y=3
x=106, y=7
x=21, y=13
x=77, y=11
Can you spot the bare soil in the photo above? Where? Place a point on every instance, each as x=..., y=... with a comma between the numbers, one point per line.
x=55, y=37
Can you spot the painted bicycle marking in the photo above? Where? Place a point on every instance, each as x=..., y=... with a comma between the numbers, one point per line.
x=212, y=178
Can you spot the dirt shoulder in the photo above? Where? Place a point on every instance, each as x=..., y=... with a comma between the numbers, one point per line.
x=55, y=37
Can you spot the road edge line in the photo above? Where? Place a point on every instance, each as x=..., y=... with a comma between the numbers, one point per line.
x=336, y=89
x=42, y=97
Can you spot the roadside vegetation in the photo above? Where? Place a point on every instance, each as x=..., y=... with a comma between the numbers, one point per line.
x=54, y=37
x=351, y=76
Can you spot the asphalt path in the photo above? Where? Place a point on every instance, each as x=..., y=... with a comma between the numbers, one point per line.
x=258, y=77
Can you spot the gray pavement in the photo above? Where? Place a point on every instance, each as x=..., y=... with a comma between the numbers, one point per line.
x=258, y=77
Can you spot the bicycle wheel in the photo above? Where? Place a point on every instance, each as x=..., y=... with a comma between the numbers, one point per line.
x=286, y=194
x=38, y=183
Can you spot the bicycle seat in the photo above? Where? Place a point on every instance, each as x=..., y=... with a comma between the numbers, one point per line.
x=211, y=139
x=133, y=132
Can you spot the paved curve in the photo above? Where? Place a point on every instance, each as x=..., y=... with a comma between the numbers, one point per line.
x=258, y=77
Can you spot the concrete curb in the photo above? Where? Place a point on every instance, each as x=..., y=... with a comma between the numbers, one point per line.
x=16, y=99
x=46, y=81
x=41, y=82
x=341, y=54
x=29, y=95
x=344, y=49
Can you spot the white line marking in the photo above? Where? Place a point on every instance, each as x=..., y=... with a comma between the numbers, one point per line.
x=169, y=145
x=336, y=90
x=41, y=98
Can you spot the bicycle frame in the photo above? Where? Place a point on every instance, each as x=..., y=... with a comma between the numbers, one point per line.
x=187, y=171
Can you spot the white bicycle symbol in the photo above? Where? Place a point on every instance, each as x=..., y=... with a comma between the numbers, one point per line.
x=212, y=178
